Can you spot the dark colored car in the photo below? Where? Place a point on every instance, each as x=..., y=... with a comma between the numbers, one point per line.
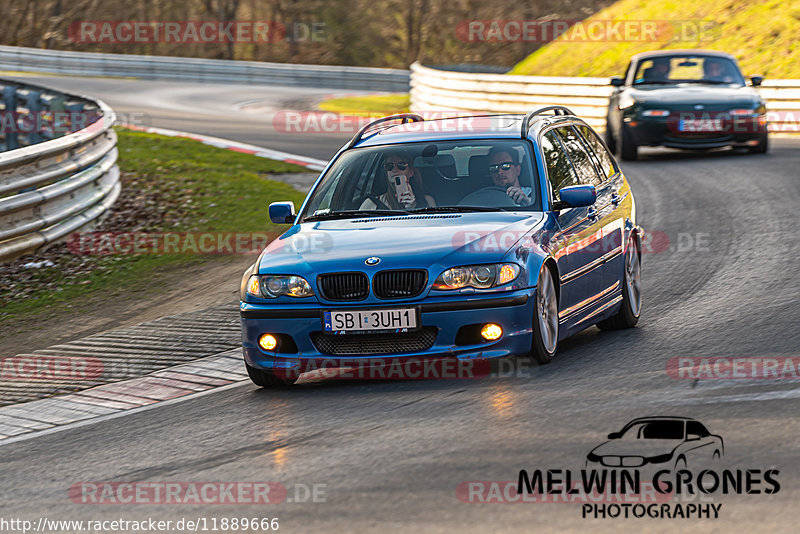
x=687, y=99
x=527, y=234
x=672, y=442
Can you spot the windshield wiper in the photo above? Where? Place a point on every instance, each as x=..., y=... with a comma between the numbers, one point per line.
x=352, y=213
x=454, y=209
x=715, y=82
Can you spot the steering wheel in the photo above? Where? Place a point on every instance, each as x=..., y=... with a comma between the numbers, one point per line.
x=491, y=195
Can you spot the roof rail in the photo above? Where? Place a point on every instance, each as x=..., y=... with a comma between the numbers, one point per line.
x=526, y=122
x=406, y=117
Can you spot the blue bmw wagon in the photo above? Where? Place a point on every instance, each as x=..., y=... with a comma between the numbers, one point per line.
x=451, y=239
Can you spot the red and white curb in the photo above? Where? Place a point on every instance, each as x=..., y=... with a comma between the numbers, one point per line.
x=228, y=144
x=22, y=421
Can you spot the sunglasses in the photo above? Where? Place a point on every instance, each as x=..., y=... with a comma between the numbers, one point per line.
x=390, y=165
x=500, y=166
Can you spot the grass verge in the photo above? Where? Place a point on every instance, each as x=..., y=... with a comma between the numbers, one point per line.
x=761, y=34
x=368, y=106
x=168, y=184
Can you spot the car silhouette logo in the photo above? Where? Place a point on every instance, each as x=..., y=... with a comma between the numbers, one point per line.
x=372, y=260
x=671, y=442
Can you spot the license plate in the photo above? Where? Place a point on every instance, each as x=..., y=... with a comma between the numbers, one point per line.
x=387, y=320
x=700, y=125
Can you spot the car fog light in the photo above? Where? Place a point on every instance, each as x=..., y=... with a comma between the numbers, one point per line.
x=491, y=332
x=268, y=342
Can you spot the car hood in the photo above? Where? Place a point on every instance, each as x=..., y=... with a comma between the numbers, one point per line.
x=686, y=96
x=637, y=447
x=405, y=241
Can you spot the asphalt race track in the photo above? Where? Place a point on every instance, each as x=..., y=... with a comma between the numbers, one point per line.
x=390, y=455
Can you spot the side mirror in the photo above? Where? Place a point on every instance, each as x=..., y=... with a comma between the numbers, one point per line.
x=614, y=435
x=575, y=196
x=756, y=80
x=692, y=437
x=616, y=81
x=281, y=212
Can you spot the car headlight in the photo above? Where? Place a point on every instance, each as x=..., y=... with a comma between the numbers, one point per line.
x=272, y=286
x=655, y=113
x=660, y=459
x=477, y=276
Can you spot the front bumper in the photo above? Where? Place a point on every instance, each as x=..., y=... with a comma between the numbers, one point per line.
x=665, y=131
x=513, y=311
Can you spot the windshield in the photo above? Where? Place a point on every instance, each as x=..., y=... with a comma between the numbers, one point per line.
x=654, y=430
x=466, y=175
x=688, y=69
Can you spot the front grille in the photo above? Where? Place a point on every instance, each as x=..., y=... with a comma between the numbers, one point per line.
x=399, y=284
x=374, y=344
x=344, y=286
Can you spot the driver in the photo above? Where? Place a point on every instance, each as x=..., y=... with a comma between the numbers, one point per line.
x=403, y=185
x=504, y=168
x=715, y=71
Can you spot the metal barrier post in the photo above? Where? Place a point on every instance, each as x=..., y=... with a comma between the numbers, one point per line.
x=9, y=123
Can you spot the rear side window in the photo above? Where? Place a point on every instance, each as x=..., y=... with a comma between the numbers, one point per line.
x=577, y=153
x=559, y=169
x=695, y=427
x=600, y=155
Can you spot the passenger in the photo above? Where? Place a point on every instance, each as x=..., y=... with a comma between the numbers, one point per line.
x=504, y=168
x=404, y=185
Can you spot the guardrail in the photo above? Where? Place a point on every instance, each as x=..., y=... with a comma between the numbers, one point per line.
x=441, y=90
x=202, y=70
x=58, y=171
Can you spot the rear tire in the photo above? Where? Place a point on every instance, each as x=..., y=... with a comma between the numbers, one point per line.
x=631, y=308
x=545, y=318
x=268, y=380
x=762, y=147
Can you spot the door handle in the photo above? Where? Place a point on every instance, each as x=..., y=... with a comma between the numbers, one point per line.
x=592, y=213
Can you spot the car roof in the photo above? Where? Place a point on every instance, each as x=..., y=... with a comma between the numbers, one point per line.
x=679, y=52
x=499, y=126
x=660, y=418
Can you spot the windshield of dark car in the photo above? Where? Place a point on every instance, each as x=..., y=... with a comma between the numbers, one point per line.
x=655, y=430
x=447, y=176
x=687, y=69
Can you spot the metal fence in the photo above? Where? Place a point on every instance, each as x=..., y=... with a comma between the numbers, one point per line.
x=58, y=171
x=435, y=89
x=202, y=70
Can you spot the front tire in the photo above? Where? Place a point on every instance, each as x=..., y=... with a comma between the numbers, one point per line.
x=611, y=141
x=267, y=380
x=628, y=149
x=545, y=318
x=631, y=308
